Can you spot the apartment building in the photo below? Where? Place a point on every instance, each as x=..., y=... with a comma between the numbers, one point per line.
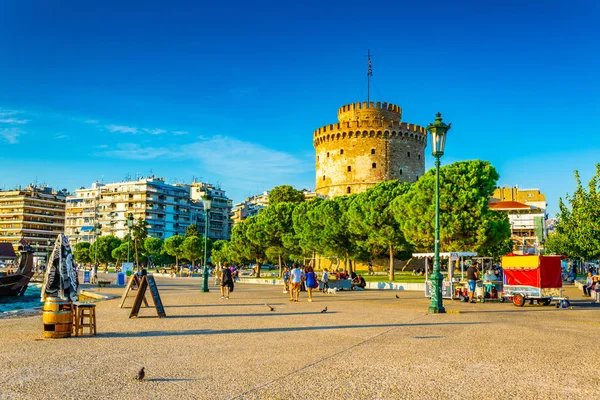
x=36, y=214
x=103, y=209
x=219, y=221
x=252, y=205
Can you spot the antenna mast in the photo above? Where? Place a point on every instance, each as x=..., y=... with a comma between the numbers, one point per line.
x=369, y=75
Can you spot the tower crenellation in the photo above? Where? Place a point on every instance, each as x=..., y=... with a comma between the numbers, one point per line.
x=369, y=144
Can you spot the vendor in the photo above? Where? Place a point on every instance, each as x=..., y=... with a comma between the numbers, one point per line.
x=472, y=277
x=489, y=275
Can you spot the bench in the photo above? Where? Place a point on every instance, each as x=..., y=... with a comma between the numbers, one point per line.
x=102, y=283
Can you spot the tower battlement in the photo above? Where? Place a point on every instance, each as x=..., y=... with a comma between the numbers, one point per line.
x=370, y=111
x=369, y=144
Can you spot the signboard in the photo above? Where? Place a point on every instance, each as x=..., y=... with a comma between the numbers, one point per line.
x=133, y=284
x=145, y=282
x=86, y=276
x=127, y=268
x=454, y=256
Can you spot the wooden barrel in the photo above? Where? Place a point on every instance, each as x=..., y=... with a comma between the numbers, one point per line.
x=57, y=318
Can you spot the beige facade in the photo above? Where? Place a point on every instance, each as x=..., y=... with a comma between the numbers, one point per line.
x=531, y=197
x=368, y=145
x=36, y=214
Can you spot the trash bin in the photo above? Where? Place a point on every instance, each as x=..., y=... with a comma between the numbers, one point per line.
x=120, y=279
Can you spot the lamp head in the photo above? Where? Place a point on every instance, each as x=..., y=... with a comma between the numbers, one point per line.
x=438, y=131
x=207, y=202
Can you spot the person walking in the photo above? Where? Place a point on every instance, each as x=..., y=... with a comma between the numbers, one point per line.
x=286, y=279
x=472, y=277
x=94, y=274
x=325, y=280
x=295, y=282
x=311, y=281
x=226, y=282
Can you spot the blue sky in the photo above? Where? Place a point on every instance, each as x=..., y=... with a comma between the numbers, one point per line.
x=232, y=93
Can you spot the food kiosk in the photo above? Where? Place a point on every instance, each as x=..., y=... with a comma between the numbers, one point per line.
x=451, y=283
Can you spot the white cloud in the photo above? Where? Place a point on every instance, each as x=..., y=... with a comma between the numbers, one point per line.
x=13, y=121
x=154, y=131
x=180, y=132
x=61, y=136
x=122, y=129
x=10, y=135
x=91, y=121
x=7, y=113
x=224, y=156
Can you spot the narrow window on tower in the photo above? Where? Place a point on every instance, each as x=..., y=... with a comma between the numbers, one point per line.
x=374, y=165
x=419, y=156
x=342, y=151
x=317, y=158
x=327, y=154
x=408, y=154
x=348, y=190
x=323, y=177
x=372, y=151
x=400, y=172
x=349, y=168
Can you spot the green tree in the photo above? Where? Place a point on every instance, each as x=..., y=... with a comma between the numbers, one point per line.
x=102, y=248
x=192, y=248
x=119, y=254
x=172, y=247
x=579, y=220
x=192, y=230
x=82, y=253
x=306, y=235
x=153, y=248
x=220, y=252
x=244, y=247
x=285, y=194
x=370, y=215
x=273, y=224
x=139, y=233
x=466, y=223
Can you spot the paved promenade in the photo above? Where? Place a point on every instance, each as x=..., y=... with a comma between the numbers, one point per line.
x=369, y=345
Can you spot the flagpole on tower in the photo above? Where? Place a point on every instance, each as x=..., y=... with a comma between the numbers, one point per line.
x=369, y=75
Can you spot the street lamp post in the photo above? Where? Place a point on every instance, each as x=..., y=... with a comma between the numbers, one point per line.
x=438, y=131
x=206, y=201
x=97, y=232
x=129, y=225
x=76, y=240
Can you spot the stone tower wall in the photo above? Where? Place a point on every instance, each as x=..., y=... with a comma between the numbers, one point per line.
x=370, y=144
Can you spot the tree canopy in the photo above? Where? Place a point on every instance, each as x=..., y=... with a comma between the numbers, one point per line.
x=285, y=194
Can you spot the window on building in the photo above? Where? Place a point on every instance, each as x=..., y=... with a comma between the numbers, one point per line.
x=417, y=178
x=419, y=156
x=408, y=153
x=323, y=177
x=348, y=190
x=374, y=165
x=349, y=168
x=327, y=154
x=342, y=151
x=400, y=172
x=372, y=151
x=317, y=158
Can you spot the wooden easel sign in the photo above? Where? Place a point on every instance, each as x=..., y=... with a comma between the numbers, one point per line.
x=145, y=282
x=133, y=284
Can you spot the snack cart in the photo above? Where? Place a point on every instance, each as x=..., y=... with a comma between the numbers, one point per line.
x=533, y=278
x=450, y=285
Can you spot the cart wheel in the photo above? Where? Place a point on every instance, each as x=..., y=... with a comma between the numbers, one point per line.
x=547, y=302
x=482, y=299
x=558, y=305
x=501, y=299
x=519, y=300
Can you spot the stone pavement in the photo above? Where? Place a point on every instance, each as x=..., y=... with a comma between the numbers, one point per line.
x=369, y=345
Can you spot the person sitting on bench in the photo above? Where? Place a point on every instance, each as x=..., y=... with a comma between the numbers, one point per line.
x=358, y=282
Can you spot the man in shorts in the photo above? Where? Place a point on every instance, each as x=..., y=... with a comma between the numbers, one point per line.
x=295, y=282
x=472, y=277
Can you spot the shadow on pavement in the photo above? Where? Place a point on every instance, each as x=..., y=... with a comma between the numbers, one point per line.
x=223, y=305
x=109, y=335
x=270, y=314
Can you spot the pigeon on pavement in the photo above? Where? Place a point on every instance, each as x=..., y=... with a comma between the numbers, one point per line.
x=324, y=310
x=141, y=374
x=397, y=297
x=270, y=308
